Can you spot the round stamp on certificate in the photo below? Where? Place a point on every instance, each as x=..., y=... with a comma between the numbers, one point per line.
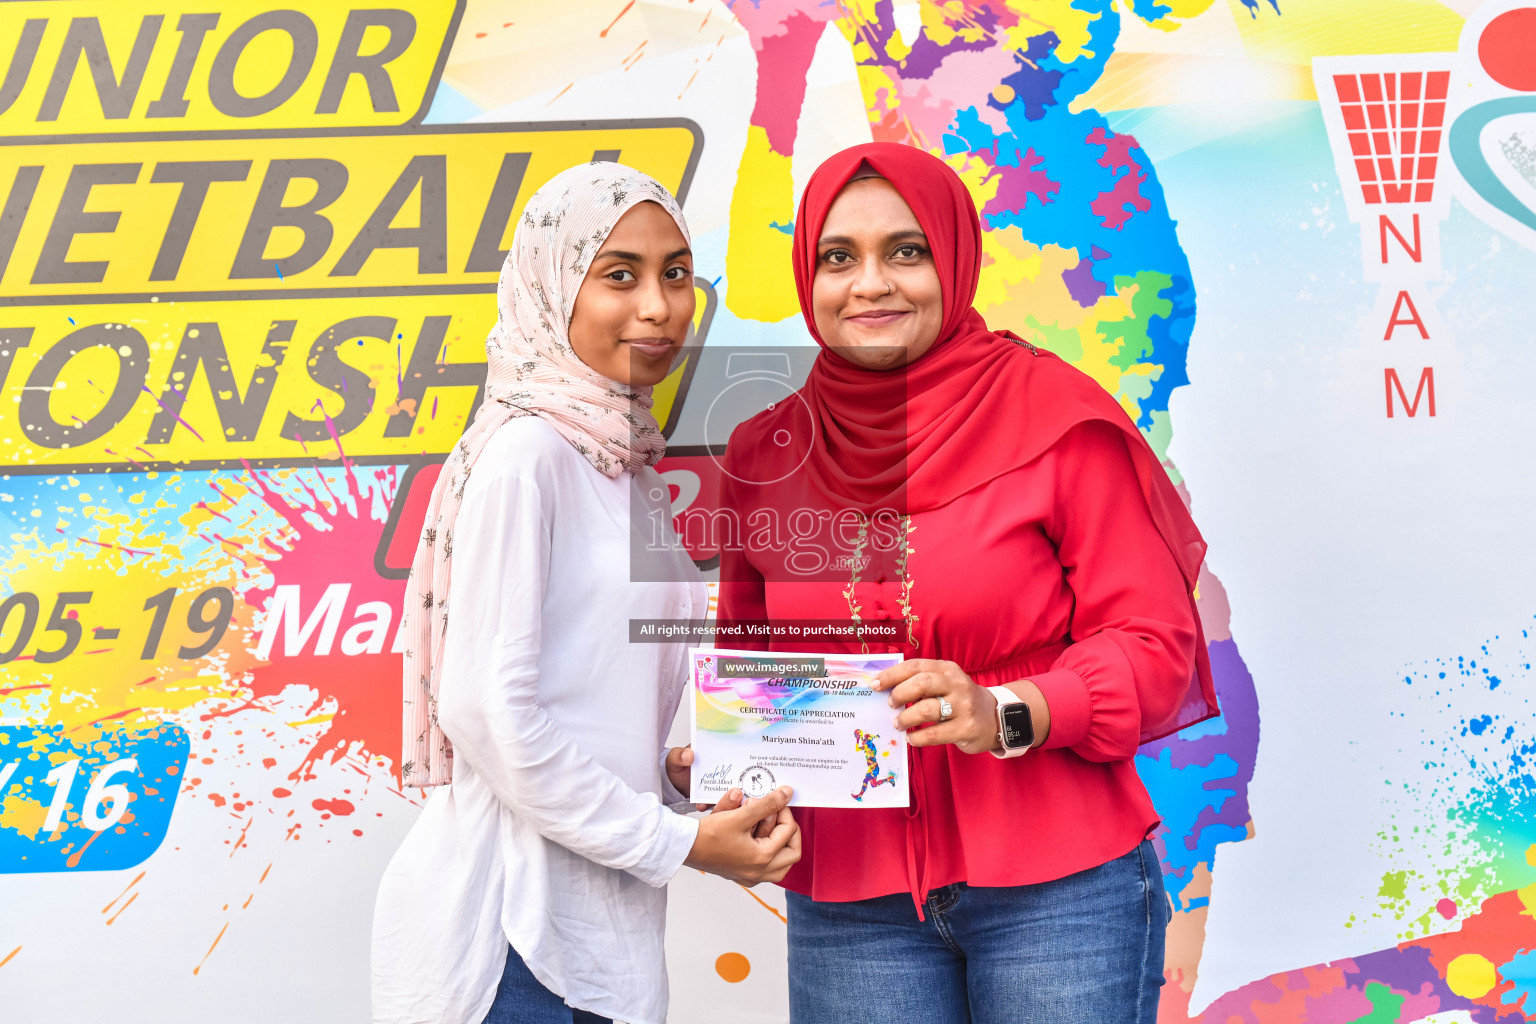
x=810, y=721
x=756, y=781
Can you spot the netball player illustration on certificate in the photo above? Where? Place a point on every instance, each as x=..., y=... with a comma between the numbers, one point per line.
x=865, y=741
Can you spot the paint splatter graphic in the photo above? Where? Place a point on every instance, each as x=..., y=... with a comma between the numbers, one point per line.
x=1462, y=831
x=242, y=604
x=1459, y=828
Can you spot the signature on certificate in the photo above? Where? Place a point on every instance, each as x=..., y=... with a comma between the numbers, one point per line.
x=720, y=775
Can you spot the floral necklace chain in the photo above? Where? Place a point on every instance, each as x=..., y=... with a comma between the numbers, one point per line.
x=855, y=609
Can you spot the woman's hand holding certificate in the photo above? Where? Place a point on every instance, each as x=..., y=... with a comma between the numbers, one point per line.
x=731, y=842
x=747, y=841
x=678, y=764
x=923, y=686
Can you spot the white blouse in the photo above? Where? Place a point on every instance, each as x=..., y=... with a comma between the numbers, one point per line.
x=555, y=835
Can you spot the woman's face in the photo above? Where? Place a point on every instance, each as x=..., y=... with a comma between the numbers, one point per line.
x=876, y=295
x=637, y=300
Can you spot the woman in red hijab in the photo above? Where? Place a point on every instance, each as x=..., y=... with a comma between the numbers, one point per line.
x=1001, y=511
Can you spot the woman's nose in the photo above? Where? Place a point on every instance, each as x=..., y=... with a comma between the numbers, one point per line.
x=870, y=280
x=652, y=303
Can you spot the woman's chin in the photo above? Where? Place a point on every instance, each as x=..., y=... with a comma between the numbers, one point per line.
x=882, y=354
x=646, y=374
x=638, y=368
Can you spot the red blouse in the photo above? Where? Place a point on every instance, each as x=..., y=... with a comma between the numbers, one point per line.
x=1055, y=572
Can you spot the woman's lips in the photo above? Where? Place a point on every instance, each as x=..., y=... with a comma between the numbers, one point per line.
x=652, y=347
x=878, y=317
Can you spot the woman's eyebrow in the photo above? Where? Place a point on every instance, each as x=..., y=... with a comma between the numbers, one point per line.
x=634, y=257
x=912, y=234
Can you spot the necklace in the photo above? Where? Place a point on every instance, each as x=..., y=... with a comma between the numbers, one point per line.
x=904, y=601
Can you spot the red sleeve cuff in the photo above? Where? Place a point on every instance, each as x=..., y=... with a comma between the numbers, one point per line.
x=1067, y=696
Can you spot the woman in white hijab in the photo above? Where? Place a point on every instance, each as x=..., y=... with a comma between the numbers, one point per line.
x=531, y=889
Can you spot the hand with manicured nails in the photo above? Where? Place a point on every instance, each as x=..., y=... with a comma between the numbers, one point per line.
x=729, y=843
x=918, y=683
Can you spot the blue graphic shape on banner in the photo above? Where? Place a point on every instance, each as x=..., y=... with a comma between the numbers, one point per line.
x=102, y=804
x=1472, y=162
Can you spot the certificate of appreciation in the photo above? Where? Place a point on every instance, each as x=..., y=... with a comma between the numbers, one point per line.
x=767, y=719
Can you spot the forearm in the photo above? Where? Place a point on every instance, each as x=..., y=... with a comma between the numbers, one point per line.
x=539, y=773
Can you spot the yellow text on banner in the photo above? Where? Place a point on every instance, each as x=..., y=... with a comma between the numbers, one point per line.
x=214, y=383
x=246, y=214
x=93, y=67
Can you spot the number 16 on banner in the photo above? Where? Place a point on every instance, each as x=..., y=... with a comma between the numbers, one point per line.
x=96, y=806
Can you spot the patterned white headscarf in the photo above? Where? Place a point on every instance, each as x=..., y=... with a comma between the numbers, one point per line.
x=531, y=371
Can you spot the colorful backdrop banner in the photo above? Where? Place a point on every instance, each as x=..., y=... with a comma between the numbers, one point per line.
x=248, y=258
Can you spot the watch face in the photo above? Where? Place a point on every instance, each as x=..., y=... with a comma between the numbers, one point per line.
x=1018, y=726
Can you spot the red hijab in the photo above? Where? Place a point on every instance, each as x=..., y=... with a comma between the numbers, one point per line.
x=976, y=405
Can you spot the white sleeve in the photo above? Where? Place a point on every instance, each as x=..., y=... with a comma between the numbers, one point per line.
x=670, y=794
x=488, y=704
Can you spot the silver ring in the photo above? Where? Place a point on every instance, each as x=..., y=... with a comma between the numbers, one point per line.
x=946, y=710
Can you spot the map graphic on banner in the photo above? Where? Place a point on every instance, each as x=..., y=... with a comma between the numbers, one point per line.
x=248, y=261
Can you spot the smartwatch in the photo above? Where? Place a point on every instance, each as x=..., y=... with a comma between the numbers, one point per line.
x=1015, y=726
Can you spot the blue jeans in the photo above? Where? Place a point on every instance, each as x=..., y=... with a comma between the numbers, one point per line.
x=1085, y=949
x=520, y=999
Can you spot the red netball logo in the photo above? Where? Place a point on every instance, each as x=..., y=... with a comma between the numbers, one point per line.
x=1394, y=125
x=1388, y=127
